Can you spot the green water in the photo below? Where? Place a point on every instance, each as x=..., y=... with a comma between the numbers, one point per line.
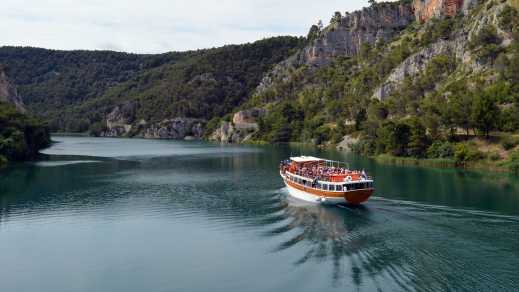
x=144, y=215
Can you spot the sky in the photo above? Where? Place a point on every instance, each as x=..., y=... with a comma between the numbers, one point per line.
x=156, y=26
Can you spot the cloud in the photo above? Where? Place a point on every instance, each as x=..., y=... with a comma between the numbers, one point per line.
x=153, y=26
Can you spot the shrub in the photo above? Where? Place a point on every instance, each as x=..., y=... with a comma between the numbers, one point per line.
x=508, y=18
x=494, y=156
x=509, y=143
x=465, y=152
x=513, y=162
x=440, y=149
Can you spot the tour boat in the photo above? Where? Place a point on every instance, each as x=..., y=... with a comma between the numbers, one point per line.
x=325, y=181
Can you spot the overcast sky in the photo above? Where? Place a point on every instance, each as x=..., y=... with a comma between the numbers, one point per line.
x=154, y=26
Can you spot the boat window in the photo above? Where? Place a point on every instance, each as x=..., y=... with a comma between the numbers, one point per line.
x=319, y=186
x=339, y=188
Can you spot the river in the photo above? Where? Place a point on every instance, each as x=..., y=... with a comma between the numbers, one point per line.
x=101, y=214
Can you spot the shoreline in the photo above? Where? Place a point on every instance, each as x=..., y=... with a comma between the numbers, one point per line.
x=445, y=163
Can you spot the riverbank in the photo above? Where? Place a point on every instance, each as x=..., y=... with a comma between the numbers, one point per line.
x=503, y=166
x=482, y=156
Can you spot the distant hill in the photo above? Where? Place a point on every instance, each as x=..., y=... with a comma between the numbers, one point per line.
x=74, y=90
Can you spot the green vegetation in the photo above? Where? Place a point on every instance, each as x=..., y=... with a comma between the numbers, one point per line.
x=75, y=90
x=435, y=116
x=448, y=111
x=21, y=136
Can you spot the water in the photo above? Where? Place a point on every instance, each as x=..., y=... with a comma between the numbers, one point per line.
x=143, y=215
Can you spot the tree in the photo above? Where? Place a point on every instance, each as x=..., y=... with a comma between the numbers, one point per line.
x=418, y=140
x=372, y=2
x=337, y=17
x=393, y=138
x=460, y=108
x=485, y=112
x=313, y=33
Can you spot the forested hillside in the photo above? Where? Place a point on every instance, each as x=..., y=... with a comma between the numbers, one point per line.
x=446, y=88
x=75, y=90
x=50, y=80
x=409, y=79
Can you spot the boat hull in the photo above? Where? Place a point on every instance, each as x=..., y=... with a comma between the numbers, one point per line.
x=355, y=197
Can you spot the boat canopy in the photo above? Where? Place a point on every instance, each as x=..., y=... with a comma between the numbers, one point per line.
x=302, y=159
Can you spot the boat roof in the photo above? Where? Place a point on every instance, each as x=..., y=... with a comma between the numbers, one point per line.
x=305, y=159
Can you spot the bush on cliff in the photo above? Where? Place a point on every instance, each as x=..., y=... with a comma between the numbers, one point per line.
x=21, y=136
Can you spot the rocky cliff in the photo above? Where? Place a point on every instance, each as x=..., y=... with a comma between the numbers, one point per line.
x=427, y=9
x=243, y=126
x=8, y=92
x=122, y=122
x=457, y=47
x=344, y=37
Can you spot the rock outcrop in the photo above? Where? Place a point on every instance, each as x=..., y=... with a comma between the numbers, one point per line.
x=119, y=122
x=248, y=119
x=8, y=92
x=177, y=128
x=345, y=38
x=243, y=126
x=347, y=143
x=122, y=122
x=416, y=63
x=427, y=9
x=457, y=47
x=380, y=22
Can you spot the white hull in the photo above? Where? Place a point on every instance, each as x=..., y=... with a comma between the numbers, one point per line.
x=298, y=194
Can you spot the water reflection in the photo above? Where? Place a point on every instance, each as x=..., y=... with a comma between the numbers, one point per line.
x=345, y=237
x=414, y=236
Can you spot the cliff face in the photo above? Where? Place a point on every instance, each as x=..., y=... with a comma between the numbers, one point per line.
x=243, y=126
x=121, y=122
x=345, y=38
x=427, y=9
x=457, y=47
x=8, y=92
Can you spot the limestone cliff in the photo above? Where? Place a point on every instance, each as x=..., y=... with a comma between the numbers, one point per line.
x=243, y=126
x=457, y=47
x=176, y=128
x=122, y=122
x=8, y=92
x=344, y=37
